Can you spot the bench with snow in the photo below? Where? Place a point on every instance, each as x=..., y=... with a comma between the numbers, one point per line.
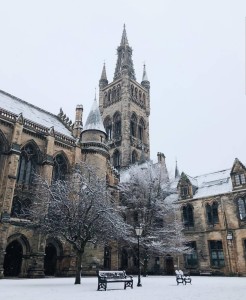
x=205, y=272
x=181, y=278
x=105, y=277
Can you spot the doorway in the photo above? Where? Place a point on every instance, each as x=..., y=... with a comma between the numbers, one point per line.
x=169, y=265
x=50, y=260
x=13, y=259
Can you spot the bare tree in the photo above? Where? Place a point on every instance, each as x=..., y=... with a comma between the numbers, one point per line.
x=79, y=210
x=148, y=193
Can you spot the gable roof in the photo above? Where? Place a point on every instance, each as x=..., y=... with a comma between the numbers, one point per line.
x=213, y=184
x=32, y=113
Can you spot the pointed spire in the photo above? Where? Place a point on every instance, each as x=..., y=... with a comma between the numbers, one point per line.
x=124, y=40
x=104, y=75
x=145, y=77
x=94, y=119
x=124, y=61
x=177, y=175
x=145, y=81
x=103, y=80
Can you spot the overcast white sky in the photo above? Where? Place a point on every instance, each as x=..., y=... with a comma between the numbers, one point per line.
x=52, y=53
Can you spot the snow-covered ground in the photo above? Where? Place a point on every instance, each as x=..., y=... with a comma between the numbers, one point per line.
x=153, y=288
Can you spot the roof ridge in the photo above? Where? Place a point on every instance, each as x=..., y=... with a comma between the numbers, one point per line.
x=212, y=173
x=25, y=102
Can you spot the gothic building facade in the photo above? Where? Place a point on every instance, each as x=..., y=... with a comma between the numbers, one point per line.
x=32, y=140
x=213, y=210
x=115, y=135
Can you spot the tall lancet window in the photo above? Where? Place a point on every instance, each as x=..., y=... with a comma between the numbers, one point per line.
x=141, y=130
x=116, y=159
x=133, y=128
x=108, y=127
x=117, y=125
x=27, y=165
x=60, y=168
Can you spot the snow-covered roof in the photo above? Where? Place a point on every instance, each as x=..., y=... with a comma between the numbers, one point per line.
x=32, y=113
x=94, y=119
x=213, y=184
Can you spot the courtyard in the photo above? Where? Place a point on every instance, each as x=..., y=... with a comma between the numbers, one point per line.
x=153, y=287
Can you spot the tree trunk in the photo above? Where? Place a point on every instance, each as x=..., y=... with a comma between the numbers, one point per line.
x=78, y=268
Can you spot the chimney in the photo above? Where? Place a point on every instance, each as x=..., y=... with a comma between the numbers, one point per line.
x=78, y=125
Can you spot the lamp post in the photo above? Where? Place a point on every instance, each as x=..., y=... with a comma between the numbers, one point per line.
x=139, y=231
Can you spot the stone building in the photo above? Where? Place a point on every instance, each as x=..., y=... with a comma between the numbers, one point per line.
x=213, y=210
x=33, y=140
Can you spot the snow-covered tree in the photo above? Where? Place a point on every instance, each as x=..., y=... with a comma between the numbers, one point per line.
x=149, y=199
x=79, y=210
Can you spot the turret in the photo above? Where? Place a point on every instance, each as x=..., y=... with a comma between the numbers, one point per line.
x=145, y=81
x=103, y=80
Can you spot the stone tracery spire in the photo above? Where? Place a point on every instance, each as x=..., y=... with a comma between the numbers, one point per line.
x=124, y=60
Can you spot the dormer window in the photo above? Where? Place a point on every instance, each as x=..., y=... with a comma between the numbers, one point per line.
x=239, y=179
x=184, y=191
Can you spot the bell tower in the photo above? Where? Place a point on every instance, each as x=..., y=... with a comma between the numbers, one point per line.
x=125, y=107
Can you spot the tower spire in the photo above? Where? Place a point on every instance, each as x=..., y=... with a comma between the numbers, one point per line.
x=177, y=175
x=124, y=60
x=103, y=80
x=124, y=40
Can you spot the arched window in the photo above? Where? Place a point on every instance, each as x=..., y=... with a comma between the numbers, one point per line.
x=134, y=157
x=108, y=127
x=113, y=94
x=109, y=95
x=20, y=207
x=60, y=168
x=105, y=98
x=27, y=165
x=212, y=213
x=144, y=98
x=118, y=92
x=141, y=130
x=133, y=128
x=117, y=126
x=136, y=93
x=116, y=159
x=241, y=202
x=188, y=218
x=140, y=95
x=132, y=90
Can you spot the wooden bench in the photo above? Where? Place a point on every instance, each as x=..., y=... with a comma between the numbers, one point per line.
x=181, y=278
x=105, y=277
x=205, y=272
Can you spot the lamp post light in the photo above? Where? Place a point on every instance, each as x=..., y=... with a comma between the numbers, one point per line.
x=139, y=231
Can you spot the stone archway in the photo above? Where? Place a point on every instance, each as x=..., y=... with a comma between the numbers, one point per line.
x=50, y=260
x=13, y=259
x=53, y=257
